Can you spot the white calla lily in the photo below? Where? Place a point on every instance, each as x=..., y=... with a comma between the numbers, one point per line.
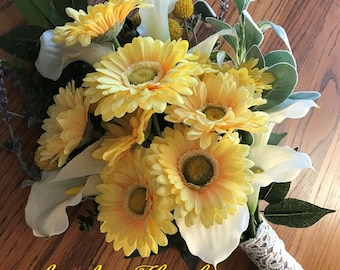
x=154, y=21
x=274, y=164
x=206, y=46
x=290, y=108
x=45, y=211
x=53, y=57
x=214, y=244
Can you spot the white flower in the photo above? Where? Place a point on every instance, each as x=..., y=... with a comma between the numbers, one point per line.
x=290, y=108
x=206, y=46
x=45, y=211
x=154, y=21
x=274, y=164
x=215, y=244
x=53, y=57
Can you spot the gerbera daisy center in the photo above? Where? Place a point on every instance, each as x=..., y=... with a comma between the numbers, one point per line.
x=198, y=170
x=143, y=72
x=214, y=113
x=137, y=200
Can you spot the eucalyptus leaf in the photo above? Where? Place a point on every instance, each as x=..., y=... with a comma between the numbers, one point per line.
x=279, y=56
x=253, y=34
x=23, y=41
x=242, y=4
x=255, y=52
x=275, y=192
x=310, y=95
x=295, y=213
x=31, y=12
x=285, y=81
x=279, y=30
x=231, y=39
x=203, y=8
x=275, y=138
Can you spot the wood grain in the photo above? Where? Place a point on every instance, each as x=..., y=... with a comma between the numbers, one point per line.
x=313, y=28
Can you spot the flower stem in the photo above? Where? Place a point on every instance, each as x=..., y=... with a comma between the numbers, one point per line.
x=116, y=43
x=186, y=29
x=155, y=125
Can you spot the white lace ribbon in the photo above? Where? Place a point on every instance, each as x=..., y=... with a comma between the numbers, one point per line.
x=267, y=251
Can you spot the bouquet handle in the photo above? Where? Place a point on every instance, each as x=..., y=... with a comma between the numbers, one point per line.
x=267, y=251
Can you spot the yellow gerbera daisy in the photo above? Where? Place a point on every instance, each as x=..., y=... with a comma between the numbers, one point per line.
x=133, y=215
x=122, y=134
x=146, y=73
x=66, y=125
x=218, y=105
x=249, y=74
x=206, y=184
x=102, y=21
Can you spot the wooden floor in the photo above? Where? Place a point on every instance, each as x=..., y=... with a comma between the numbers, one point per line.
x=314, y=29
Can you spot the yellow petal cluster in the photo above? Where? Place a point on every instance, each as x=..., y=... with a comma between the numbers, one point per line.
x=248, y=74
x=65, y=127
x=102, y=21
x=122, y=134
x=145, y=73
x=132, y=214
x=218, y=105
x=208, y=184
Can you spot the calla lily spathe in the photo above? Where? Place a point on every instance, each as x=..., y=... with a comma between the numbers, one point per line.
x=154, y=21
x=45, y=211
x=53, y=57
x=290, y=108
x=214, y=244
x=277, y=164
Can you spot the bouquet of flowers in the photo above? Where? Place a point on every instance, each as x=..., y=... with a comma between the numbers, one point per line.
x=172, y=136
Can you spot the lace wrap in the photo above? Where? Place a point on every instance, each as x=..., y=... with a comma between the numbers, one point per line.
x=267, y=251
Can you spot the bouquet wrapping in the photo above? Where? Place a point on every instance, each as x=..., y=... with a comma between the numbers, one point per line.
x=267, y=250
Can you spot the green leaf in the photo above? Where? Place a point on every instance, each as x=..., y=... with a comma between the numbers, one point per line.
x=56, y=18
x=231, y=39
x=14, y=145
x=203, y=8
x=61, y=5
x=246, y=137
x=34, y=11
x=279, y=56
x=279, y=30
x=255, y=52
x=275, y=192
x=242, y=4
x=310, y=95
x=253, y=34
x=295, y=213
x=275, y=138
x=23, y=41
x=285, y=81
